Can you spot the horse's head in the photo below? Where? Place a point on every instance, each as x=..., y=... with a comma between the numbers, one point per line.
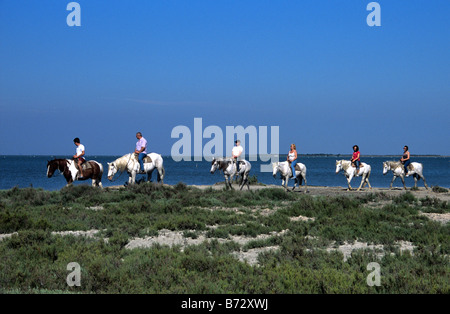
x=214, y=165
x=52, y=165
x=338, y=165
x=112, y=170
x=275, y=168
x=386, y=167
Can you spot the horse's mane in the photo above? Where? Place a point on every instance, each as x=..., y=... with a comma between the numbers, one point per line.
x=345, y=164
x=122, y=162
x=394, y=162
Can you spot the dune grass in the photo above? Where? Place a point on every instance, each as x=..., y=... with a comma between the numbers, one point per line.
x=34, y=259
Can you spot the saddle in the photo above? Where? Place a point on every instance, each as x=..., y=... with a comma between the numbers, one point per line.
x=146, y=159
x=409, y=167
x=85, y=166
x=297, y=166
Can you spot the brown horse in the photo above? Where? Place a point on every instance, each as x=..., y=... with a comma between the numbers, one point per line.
x=68, y=168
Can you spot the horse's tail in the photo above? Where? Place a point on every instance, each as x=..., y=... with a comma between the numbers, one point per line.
x=161, y=174
x=160, y=166
x=101, y=171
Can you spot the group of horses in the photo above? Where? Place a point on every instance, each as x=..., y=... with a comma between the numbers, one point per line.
x=129, y=163
x=94, y=170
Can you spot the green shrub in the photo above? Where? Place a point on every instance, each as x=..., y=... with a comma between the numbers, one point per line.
x=438, y=189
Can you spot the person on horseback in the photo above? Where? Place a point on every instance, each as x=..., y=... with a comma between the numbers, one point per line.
x=79, y=155
x=141, y=151
x=406, y=159
x=236, y=153
x=356, y=158
x=292, y=159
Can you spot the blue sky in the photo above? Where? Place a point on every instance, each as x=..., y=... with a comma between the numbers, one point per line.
x=313, y=68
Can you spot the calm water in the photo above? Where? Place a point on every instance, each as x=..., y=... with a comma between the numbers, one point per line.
x=26, y=171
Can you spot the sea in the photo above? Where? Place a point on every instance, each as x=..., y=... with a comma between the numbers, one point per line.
x=30, y=171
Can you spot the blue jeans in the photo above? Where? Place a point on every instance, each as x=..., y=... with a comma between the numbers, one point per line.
x=293, y=163
x=406, y=165
x=141, y=162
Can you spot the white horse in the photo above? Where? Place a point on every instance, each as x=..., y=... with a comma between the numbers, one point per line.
x=286, y=172
x=228, y=167
x=415, y=169
x=129, y=164
x=350, y=172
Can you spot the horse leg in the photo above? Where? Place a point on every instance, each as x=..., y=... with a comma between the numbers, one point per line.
x=228, y=182
x=161, y=175
x=392, y=182
x=242, y=184
x=362, y=181
x=368, y=182
x=69, y=179
x=306, y=184
x=132, y=179
x=403, y=181
x=245, y=180
x=284, y=182
x=348, y=182
x=424, y=182
x=415, y=180
x=149, y=175
x=296, y=183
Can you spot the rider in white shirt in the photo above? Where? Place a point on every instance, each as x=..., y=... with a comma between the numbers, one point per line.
x=292, y=158
x=79, y=156
x=236, y=153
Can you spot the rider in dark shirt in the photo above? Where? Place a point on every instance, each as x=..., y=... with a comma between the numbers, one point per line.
x=406, y=159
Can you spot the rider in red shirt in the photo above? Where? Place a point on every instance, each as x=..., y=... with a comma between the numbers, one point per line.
x=356, y=157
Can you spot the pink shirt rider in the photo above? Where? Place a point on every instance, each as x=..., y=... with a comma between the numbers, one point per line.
x=142, y=143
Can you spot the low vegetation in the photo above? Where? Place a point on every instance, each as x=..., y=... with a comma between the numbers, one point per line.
x=34, y=253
